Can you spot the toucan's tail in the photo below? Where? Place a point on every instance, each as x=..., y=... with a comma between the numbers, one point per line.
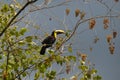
x=42, y=51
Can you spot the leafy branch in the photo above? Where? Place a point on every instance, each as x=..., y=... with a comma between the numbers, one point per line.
x=10, y=22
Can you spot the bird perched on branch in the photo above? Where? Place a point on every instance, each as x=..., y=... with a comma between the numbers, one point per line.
x=49, y=41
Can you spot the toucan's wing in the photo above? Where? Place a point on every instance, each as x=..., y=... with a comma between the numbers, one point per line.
x=49, y=40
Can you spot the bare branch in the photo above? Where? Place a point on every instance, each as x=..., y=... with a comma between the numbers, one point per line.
x=77, y=25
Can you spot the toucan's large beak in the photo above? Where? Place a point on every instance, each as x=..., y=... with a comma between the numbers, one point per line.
x=59, y=31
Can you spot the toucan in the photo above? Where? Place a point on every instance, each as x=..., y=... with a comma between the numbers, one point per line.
x=50, y=40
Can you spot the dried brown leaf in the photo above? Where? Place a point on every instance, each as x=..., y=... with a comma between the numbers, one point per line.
x=111, y=49
x=106, y=21
x=92, y=23
x=114, y=34
x=83, y=56
x=106, y=26
x=4, y=75
x=67, y=11
x=109, y=38
x=77, y=12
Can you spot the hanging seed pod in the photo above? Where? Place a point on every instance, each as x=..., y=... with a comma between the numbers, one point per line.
x=114, y=34
x=106, y=21
x=106, y=26
x=92, y=23
x=109, y=38
x=67, y=11
x=111, y=49
x=83, y=57
x=77, y=12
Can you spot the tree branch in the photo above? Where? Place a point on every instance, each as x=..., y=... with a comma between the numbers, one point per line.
x=41, y=8
x=77, y=25
x=8, y=25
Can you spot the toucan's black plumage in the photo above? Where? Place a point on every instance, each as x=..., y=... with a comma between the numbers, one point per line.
x=49, y=41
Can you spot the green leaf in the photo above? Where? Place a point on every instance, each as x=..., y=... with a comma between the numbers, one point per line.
x=22, y=31
x=64, y=79
x=51, y=51
x=83, y=68
x=93, y=71
x=29, y=38
x=97, y=77
x=21, y=43
x=82, y=79
x=0, y=56
x=42, y=68
x=11, y=62
x=51, y=75
x=24, y=74
x=70, y=58
x=5, y=8
x=12, y=32
x=70, y=49
x=59, y=60
x=37, y=74
x=68, y=33
x=88, y=75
